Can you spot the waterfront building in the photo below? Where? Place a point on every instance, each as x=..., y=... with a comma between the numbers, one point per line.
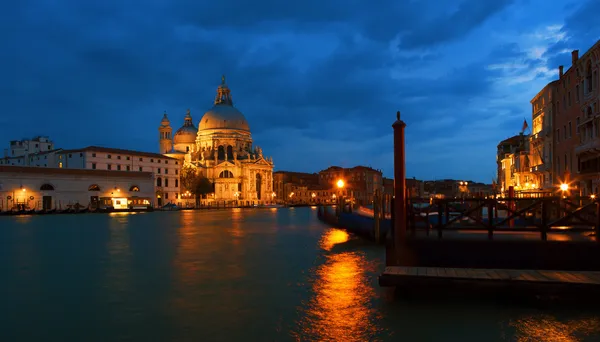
x=566, y=122
x=221, y=149
x=587, y=108
x=515, y=168
x=504, y=161
x=360, y=181
x=286, y=182
x=540, y=140
x=165, y=170
x=61, y=188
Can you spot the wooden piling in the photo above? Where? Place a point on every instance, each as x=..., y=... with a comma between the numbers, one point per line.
x=399, y=185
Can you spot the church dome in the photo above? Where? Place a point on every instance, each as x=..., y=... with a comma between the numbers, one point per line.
x=223, y=115
x=187, y=133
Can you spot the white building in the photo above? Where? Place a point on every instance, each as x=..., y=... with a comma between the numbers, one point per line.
x=54, y=188
x=221, y=149
x=30, y=152
x=165, y=170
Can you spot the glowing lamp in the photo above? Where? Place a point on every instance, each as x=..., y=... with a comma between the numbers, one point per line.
x=340, y=183
x=592, y=196
x=564, y=187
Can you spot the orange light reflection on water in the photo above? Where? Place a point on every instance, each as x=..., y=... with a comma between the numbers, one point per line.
x=340, y=309
x=546, y=328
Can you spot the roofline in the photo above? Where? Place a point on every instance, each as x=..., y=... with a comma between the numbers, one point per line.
x=118, y=151
x=543, y=90
x=65, y=171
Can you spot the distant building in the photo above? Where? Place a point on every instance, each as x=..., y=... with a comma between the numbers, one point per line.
x=30, y=152
x=286, y=182
x=360, y=181
x=514, y=166
x=55, y=188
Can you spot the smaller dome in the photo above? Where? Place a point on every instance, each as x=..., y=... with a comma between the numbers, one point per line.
x=187, y=133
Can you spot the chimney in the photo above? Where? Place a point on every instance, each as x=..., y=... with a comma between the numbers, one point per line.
x=560, y=71
x=574, y=56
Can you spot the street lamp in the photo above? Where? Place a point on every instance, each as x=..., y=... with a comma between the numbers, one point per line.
x=564, y=187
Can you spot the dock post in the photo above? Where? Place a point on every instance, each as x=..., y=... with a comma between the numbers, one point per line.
x=597, y=220
x=376, y=216
x=399, y=187
x=511, y=204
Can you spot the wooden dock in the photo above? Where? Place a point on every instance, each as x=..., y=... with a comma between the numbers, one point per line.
x=403, y=275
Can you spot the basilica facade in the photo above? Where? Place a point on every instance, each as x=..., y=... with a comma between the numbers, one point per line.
x=221, y=149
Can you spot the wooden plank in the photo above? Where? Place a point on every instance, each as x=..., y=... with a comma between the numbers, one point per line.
x=451, y=272
x=460, y=272
x=539, y=276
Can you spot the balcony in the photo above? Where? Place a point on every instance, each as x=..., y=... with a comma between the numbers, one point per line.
x=591, y=146
x=540, y=168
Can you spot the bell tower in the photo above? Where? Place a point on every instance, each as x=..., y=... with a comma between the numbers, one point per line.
x=165, y=138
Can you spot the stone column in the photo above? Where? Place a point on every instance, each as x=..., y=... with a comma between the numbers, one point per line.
x=399, y=186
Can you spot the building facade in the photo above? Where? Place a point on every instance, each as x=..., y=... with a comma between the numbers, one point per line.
x=55, y=188
x=221, y=149
x=165, y=170
x=566, y=122
x=360, y=181
x=286, y=182
x=514, y=166
x=587, y=108
x=541, y=139
x=38, y=151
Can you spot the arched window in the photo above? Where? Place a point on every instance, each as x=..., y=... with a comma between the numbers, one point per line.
x=158, y=181
x=134, y=188
x=588, y=76
x=226, y=174
x=46, y=187
x=229, y=152
x=94, y=187
x=221, y=153
x=258, y=185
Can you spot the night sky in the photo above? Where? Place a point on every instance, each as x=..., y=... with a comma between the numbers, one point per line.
x=319, y=81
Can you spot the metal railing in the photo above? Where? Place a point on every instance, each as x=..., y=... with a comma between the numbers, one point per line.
x=543, y=215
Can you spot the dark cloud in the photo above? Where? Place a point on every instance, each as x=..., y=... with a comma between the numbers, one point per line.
x=582, y=30
x=451, y=26
x=326, y=76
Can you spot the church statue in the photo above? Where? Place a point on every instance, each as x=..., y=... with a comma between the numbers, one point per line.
x=202, y=156
x=258, y=152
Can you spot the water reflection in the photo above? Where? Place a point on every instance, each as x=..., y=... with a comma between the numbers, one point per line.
x=547, y=328
x=119, y=265
x=341, y=308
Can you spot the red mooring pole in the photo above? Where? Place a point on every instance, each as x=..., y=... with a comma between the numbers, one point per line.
x=399, y=187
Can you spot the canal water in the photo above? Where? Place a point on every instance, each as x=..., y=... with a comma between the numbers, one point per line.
x=231, y=275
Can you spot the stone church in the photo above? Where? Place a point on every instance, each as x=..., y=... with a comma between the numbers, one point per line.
x=221, y=149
